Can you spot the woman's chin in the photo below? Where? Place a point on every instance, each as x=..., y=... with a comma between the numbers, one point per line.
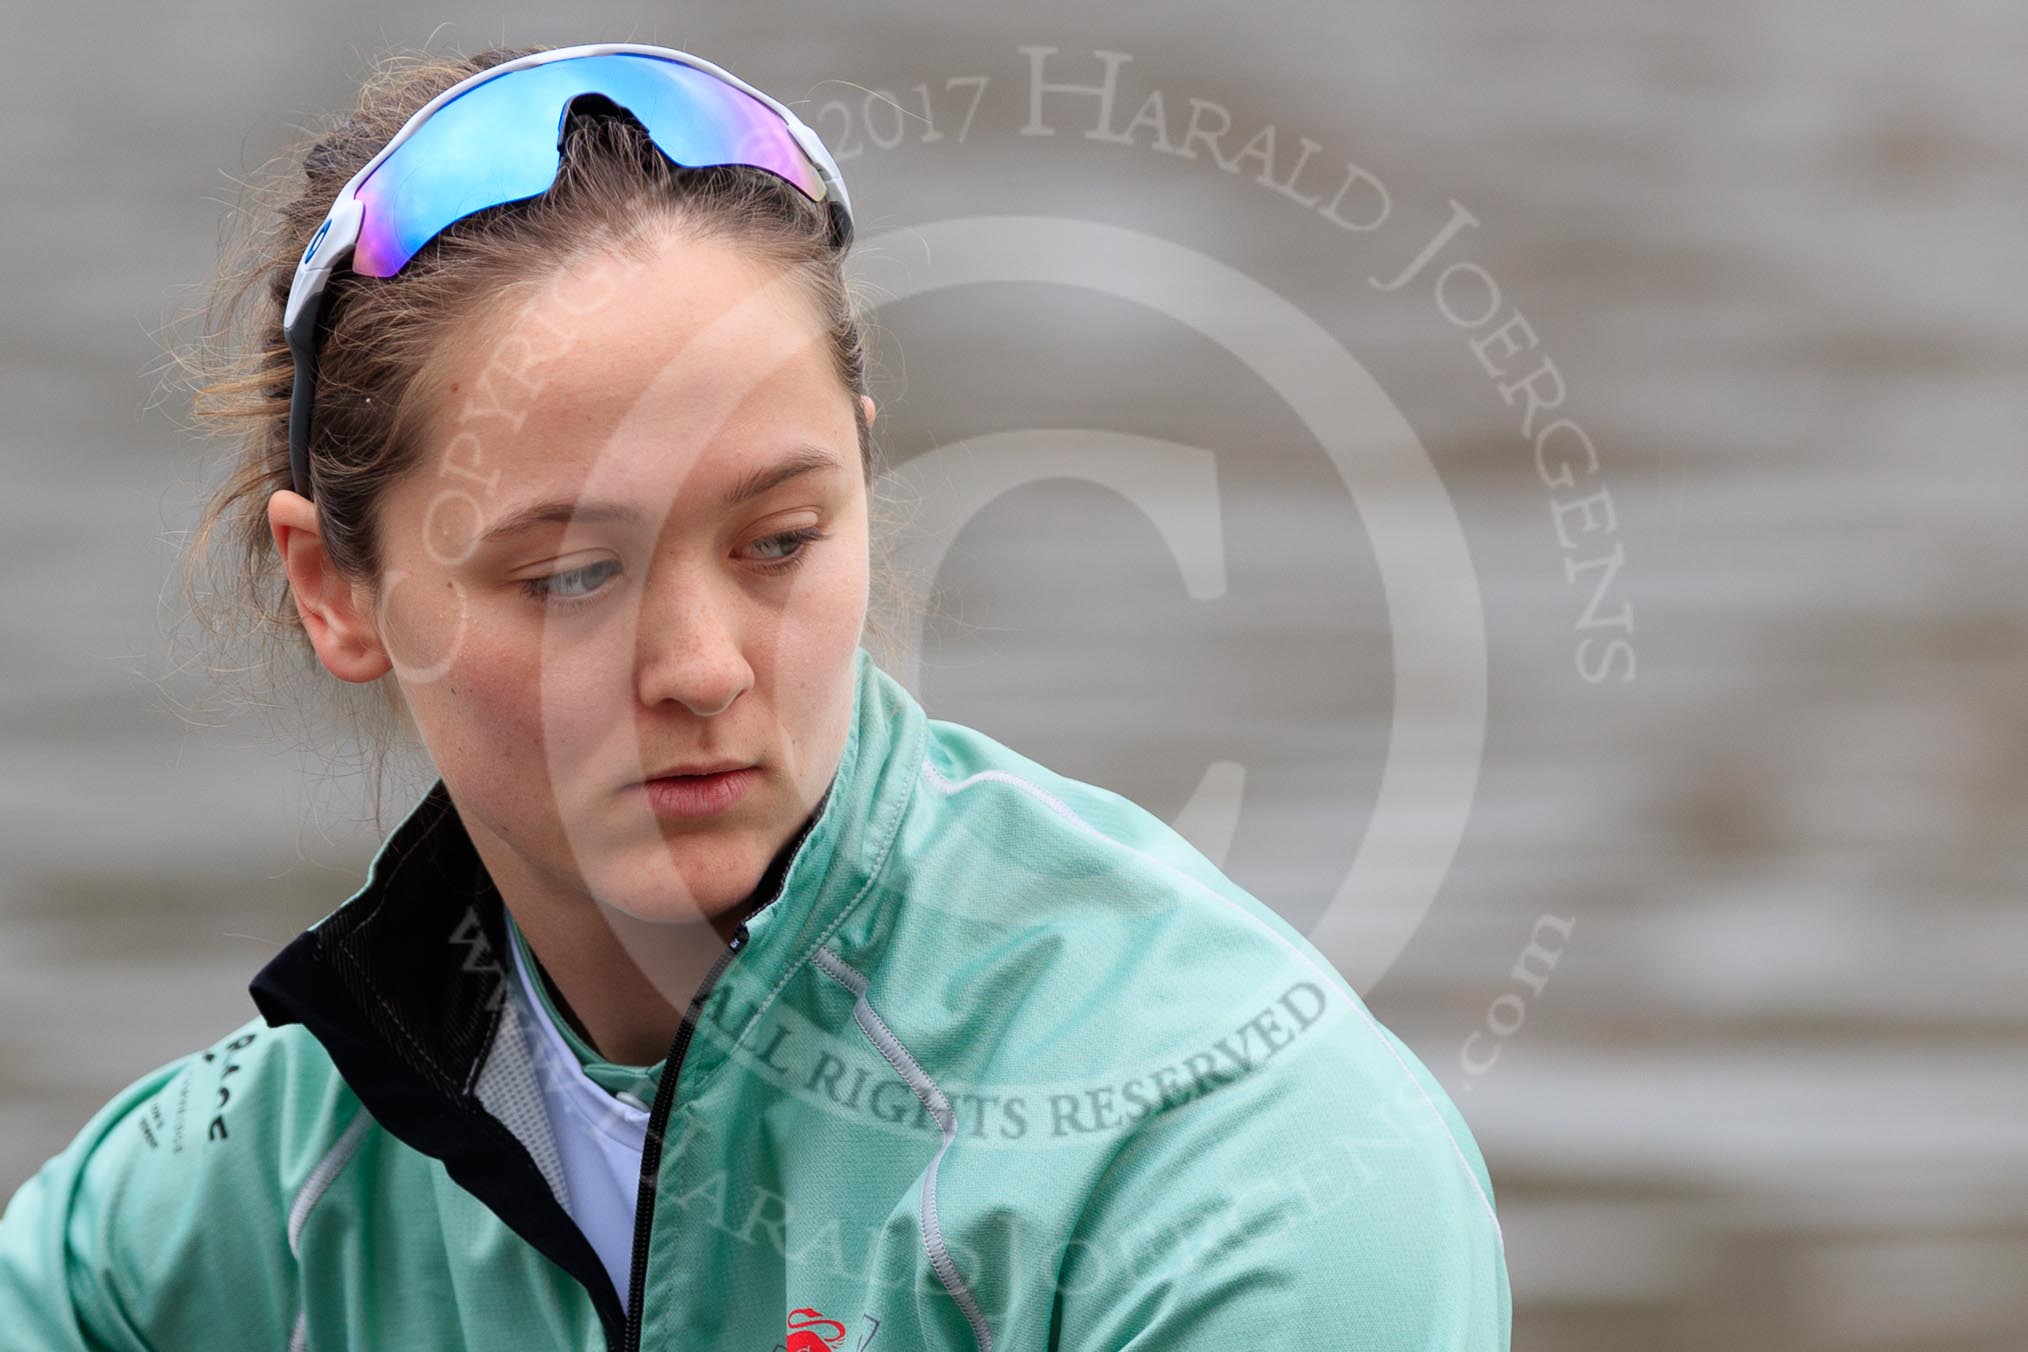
x=659, y=894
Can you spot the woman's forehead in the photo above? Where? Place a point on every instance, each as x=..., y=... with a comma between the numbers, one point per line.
x=675, y=436
x=646, y=352
x=632, y=422
x=612, y=313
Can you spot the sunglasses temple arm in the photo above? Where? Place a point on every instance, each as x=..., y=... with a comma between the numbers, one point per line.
x=302, y=336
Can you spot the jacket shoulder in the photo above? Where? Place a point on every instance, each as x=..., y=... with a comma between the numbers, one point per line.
x=1117, y=922
x=994, y=801
x=1116, y=887
x=166, y=1219
x=1192, y=1066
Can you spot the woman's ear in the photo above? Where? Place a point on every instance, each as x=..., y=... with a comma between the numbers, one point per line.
x=867, y=401
x=332, y=611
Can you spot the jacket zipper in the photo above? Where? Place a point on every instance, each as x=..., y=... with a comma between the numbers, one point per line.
x=651, y=1145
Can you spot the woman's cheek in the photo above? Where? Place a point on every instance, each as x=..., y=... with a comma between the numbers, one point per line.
x=502, y=684
x=425, y=626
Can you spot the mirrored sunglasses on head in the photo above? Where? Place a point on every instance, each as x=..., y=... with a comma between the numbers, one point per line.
x=497, y=136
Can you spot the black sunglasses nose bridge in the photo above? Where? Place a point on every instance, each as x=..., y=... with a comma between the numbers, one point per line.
x=582, y=110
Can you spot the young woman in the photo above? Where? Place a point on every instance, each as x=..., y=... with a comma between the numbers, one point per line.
x=713, y=996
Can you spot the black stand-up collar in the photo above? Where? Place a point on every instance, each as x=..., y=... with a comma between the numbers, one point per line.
x=405, y=985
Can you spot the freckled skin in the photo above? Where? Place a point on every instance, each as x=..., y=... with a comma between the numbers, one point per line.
x=654, y=382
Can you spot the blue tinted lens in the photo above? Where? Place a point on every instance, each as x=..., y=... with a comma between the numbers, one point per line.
x=497, y=142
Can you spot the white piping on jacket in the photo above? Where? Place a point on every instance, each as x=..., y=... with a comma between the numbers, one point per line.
x=320, y=1180
x=910, y=1070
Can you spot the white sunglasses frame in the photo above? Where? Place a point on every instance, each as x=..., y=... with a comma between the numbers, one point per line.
x=332, y=244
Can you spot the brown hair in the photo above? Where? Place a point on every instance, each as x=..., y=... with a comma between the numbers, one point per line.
x=379, y=334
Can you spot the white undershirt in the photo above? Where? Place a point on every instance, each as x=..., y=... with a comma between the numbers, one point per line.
x=598, y=1135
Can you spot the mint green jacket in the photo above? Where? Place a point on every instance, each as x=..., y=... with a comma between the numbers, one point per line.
x=1002, y=1062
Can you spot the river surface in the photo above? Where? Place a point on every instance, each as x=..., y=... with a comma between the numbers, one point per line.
x=1769, y=1093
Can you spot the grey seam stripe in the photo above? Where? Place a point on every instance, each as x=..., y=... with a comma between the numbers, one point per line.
x=872, y=876
x=320, y=1180
x=889, y=1046
x=321, y=1177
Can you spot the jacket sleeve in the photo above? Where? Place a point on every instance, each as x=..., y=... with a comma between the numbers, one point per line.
x=161, y=1226
x=61, y=1289
x=1335, y=1201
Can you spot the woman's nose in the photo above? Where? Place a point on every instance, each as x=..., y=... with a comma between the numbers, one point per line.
x=690, y=652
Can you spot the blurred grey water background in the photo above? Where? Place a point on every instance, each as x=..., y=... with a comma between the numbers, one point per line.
x=1770, y=1094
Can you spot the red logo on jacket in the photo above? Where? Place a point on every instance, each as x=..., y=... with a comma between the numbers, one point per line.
x=810, y=1331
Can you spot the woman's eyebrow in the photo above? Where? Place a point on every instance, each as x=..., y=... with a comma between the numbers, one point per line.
x=563, y=512
x=802, y=460
x=566, y=511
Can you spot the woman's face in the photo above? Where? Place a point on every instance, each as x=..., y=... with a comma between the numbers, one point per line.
x=637, y=544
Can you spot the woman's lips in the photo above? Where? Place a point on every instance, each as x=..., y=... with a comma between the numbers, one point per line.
x=698, y=795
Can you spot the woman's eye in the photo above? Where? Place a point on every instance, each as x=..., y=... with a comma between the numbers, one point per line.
x=573, y=584
x=773, y=553
x=783, y=551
